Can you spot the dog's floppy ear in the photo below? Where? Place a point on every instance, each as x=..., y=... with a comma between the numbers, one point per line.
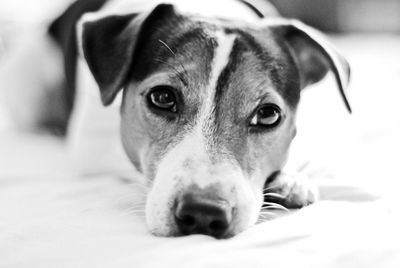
x=314, y=55
x=108, y=45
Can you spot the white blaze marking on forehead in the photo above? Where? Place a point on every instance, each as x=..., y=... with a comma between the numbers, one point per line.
x=221, y=59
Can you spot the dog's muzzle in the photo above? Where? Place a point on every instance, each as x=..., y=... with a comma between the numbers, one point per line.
x=201, y=213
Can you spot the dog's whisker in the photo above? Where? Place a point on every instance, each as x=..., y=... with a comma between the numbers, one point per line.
x=138, y=202
x=136, y=211
x=138, y=194
x=272, y=204
x=275, y=208
x=130, y=198
x=269, y=205
x=265, y=213
x=274, y=195
x=135, y=194
x=266, y=216
x=261, y=220
x=270, y=188
x=164, y=44
x=137, y=206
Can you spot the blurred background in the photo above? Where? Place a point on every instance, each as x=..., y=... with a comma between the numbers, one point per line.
x=335, y=16
x=18, y=16
x=345, y=16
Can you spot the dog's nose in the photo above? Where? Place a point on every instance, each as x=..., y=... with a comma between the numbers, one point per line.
x=195, y=214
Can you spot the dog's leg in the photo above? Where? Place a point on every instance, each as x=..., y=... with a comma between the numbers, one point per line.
x=291, y=191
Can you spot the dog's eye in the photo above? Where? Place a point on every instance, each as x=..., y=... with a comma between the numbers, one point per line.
x=267, y=115
x=163, y=97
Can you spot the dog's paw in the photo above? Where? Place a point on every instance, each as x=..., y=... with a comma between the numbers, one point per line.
x=291, y=191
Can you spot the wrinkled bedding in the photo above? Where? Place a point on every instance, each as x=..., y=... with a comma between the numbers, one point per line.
x=50, y=216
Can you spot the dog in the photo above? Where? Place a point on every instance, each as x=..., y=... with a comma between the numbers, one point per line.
x=209, y=92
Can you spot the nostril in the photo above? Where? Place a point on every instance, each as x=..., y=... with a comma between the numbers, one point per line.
x=186, y=220
x=218, y=226
x=186, y=223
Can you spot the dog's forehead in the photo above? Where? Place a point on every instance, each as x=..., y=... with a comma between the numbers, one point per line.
x=257, y=62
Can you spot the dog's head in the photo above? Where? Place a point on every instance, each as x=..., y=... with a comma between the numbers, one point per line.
x=208, y=110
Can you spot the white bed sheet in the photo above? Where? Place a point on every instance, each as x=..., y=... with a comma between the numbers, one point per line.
x=52, y=217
